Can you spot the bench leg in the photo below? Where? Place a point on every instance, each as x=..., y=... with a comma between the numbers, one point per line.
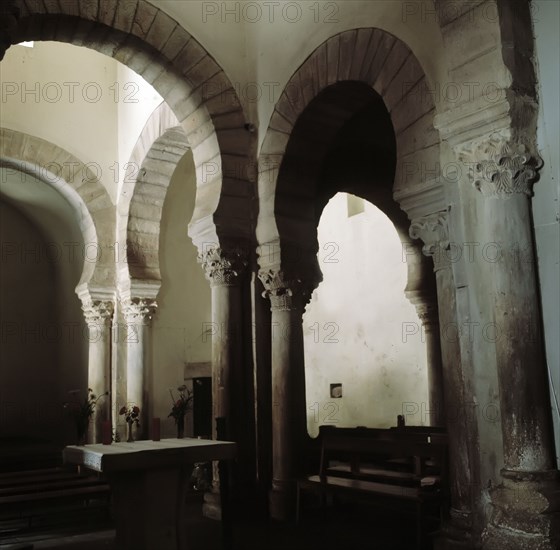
x=419, y=526
x=298, y=503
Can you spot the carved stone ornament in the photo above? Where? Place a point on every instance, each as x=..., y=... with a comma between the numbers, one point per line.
x=98, y=312
x=223, y=267
x=139, y=310
x=434, y=232
x=285, y=293
x=428, y=315
x=500, y=168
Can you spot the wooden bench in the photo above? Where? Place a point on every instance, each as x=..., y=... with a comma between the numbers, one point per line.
x=383, y=466
x=23, y=493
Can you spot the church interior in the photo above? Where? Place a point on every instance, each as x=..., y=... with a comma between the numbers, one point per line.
x=280, y=274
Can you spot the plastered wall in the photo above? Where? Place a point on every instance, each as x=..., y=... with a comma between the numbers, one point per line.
x=183, y=301
x=546, y=204
x=43, y=351
x=359, y=329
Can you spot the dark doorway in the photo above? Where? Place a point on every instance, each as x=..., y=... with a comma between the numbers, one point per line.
x=202, y=407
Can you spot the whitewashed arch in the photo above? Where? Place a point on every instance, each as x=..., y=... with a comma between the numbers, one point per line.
x=157, y=152
x=159, y=49
x=73, y=179
x=372, y=61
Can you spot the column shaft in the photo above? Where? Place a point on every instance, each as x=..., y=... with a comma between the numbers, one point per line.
x=98, y=314
x=433, y=230
x=288, y=297
x=138, y=313
x=524, y=398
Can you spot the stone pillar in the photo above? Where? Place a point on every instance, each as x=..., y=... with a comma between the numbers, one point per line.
x=433, y=230
x=138, y=313
x=426, y=307
x=527, y=504
x=288, y=298
x=225, y=271
x=98, y=315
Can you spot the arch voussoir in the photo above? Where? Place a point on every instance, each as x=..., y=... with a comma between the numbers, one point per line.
x=361, y=50
x=124, y=16
x=346, y=54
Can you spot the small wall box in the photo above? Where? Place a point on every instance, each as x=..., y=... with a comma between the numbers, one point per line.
x=336, y=391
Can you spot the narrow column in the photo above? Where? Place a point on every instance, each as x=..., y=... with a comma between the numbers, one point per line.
x=225, y=271
x=98, y=315
x=288, y=298
x=529, y=499
x=433, y=230
x=138, y=313
x=427, y=309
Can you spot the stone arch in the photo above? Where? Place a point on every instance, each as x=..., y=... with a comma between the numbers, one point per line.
x=337, y=81
x=198, y=91
x=81, y=188
x=155, y=156
x=313, y=147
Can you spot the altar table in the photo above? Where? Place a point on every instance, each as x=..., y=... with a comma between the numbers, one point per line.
x=148, y=482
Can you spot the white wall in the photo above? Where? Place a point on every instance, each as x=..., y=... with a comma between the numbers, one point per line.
x=353, y=327
x=137, y=101
x=43, y=351
x=183, y=301
x=546, y=205
x=66, y=95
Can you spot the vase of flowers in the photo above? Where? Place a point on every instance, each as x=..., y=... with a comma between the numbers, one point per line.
x=81, y=412
x=181, y=405
x=132, y=416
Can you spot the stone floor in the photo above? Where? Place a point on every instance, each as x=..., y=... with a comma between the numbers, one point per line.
x=347, y=526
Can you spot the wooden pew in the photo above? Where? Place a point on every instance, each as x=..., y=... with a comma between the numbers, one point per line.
x=382, y=464
x=25, y=494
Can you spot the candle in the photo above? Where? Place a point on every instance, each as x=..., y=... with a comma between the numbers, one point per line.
x=156, y=429
x=106, y=435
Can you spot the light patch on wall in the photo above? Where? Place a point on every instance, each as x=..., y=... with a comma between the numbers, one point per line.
x=355, y=205
x=26, y=44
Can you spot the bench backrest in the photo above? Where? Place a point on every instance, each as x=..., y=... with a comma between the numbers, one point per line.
x=357, y=448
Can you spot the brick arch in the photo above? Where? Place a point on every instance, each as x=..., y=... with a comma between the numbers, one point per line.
x=80, y=187
x=157, y=152
x=156, y=47
x=362, y=63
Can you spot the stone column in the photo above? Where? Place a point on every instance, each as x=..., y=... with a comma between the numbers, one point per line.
x=138, y=313
x=288, y=298
x=98, y=315
x=433, y=230
x=504, y=171
x=225, y=271
x=427, y=309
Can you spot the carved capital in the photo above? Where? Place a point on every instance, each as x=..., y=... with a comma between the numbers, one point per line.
x=98, y=312
x=139, y=310
x=500, y=167
x=434, y=232
x=286, y=293
x=426, y=307
x=428, y=315
x=224, y=267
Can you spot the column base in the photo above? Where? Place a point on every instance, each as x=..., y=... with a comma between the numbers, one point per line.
x=456, y=533
x=526, y=512
x=282, y=501
x=212, y=503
